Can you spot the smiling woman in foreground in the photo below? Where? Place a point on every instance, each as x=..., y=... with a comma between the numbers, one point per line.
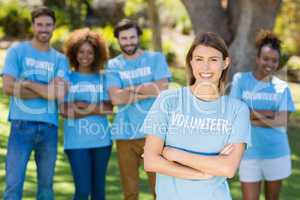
x=196, y=134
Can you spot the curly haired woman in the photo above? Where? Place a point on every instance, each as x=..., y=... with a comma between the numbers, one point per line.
x=87, y=139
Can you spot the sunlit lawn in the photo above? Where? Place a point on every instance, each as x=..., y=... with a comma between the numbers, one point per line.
x=63, y=181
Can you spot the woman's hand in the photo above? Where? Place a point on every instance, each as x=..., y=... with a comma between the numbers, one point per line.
x=171, y=154
x=81, y=105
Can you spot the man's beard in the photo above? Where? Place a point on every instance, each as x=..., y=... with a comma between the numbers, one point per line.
x=129, y=52
x=43, y=39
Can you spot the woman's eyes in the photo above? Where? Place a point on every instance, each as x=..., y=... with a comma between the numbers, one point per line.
x=86, y=52
x=209, y=60
x=266, y=59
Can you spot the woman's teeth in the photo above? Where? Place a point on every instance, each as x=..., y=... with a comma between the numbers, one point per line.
x=206, y=75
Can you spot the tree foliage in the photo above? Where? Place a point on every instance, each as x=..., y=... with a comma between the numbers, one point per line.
x=288, y=26
x=14, y=19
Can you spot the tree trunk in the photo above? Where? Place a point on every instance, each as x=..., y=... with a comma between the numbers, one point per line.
x=253, y=15
x=208, y=15
x=155, y=24
x=237, y=24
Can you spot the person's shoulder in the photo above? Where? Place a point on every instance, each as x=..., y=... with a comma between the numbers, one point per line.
x=97, y=76
x=174, y=93
x=233, y=100
x=153, y=54
x=235, y=103
x=170, y=97
x=242, y=75
x=170, y=92
x=58, y=54
x=279, y=84
x=19, y=45
x=72, y=74
x=116, y=58
x=242, y=79
x=114, y=63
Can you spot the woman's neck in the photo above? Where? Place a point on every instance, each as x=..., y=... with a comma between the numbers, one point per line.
x=205, y=92
x=84, y=70
x=261, y=76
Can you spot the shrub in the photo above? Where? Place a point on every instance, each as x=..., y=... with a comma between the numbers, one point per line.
x=15, y=19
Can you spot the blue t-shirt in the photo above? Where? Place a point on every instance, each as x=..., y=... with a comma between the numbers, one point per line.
x=90, y=131
x=185, y=122
x=23, y=62
x=258, y=95
x=122, y=73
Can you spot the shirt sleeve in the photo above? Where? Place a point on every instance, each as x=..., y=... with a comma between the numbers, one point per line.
x=286, y=101
x=67, y=97
x=11, y=65
x=236, y=90
x=241, y=126
x=161, y=70
x=112, y=76
x=63, y=68
x=105, y=95
x=157, y=119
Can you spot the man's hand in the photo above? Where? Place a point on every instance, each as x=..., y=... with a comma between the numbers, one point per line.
x=56, y=89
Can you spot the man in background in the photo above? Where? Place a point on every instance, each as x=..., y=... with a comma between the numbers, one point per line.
x=34, y=78
x=134, y=78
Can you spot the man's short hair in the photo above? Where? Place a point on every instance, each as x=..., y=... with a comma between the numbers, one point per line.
x=124, y=25
x=42, y=11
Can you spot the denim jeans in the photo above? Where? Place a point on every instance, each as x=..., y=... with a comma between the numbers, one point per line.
x=26, y=136
x=89, y=171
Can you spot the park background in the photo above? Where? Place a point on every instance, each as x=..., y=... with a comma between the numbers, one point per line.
x=174, y=23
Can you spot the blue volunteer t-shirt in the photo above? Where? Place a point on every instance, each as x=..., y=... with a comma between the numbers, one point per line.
x=90, y=131
x=23, y=62
x=185, y=122
x=122, y=73
x=258, y=95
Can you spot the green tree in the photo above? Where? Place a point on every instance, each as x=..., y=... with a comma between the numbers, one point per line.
x=288, y=26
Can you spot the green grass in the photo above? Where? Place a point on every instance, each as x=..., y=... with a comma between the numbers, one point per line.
x=63, y=185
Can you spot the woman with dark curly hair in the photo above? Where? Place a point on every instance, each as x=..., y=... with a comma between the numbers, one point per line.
x=87, y=140
x=270, y=103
